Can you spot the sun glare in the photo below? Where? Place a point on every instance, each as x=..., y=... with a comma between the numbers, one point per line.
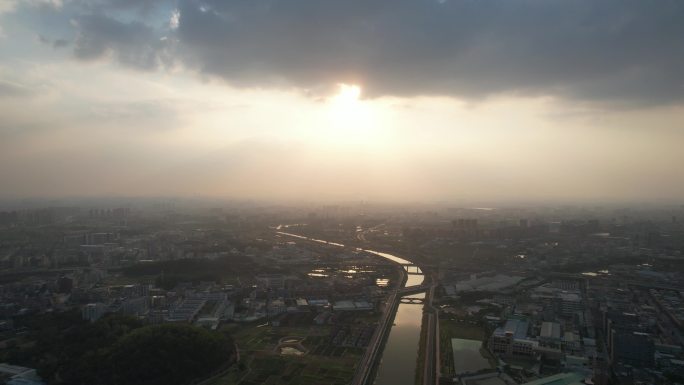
x=350, y=122
x=346, y=106
x=349, y=116
x=347, y=93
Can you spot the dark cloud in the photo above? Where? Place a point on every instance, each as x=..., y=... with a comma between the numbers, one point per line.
x=144, y=4
x=622, y=51
x=56, y=43
x=132, y=43
x=143, y=7
x=60, y=43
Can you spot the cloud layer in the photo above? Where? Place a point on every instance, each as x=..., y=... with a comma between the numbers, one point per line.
x=616, y=51
x=130, y=97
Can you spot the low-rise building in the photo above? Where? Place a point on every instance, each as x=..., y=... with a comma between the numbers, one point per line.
x=512, y=339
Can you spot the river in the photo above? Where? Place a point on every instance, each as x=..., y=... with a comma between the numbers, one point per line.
x=398, y=361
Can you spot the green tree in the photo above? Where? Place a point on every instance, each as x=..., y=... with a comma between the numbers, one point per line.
x=170, y=354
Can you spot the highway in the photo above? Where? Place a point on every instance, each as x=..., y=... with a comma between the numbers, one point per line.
x=364, y=371
x=408, y=290
x=431, y=364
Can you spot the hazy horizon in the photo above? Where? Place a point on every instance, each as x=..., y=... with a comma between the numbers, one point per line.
x=317, y=101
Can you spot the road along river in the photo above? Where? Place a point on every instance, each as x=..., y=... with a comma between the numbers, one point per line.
x=398, y=360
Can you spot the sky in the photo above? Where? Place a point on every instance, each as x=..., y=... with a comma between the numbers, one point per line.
x=321, y=100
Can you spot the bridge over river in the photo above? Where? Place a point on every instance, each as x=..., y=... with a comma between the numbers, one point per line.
x=385, y=361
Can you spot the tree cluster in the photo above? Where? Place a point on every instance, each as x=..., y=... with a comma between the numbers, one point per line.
x=118, y=350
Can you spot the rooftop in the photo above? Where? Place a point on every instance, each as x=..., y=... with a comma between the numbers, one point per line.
x=550, y=330
x=517, y=327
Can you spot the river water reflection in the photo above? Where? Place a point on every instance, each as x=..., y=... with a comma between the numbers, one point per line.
x=398, y=363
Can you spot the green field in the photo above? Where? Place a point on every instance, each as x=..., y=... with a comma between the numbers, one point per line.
x=469, y=356
x=449, y=329
x=251, y=337
x=261, y=364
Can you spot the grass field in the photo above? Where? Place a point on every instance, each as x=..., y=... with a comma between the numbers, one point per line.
x=323, y=364
x=251, y=337
x=449, y=329
x=270, y=368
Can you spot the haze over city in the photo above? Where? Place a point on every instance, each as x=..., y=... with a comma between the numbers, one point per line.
x=401, y=101
x=341, y=192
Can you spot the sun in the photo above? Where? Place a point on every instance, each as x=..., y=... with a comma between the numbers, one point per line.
x=350, y=121
x=346, y=104
x=347, y=93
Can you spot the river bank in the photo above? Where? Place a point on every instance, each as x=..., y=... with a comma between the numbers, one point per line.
x=396, y=365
